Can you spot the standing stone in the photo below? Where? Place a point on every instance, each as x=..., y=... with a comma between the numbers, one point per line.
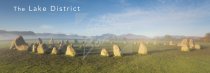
x=40, y=41
x=116, y=51
x=185, y=48
x=51, y=44
x=197, y=46
x=171, y=43
x=51, y=41
x=34, y=47
x=70, y=51
x=54, y=50
x=191, y=43
x=185, y=45
x=184, y=42
x=61, y=45
x=40, y=48
x=19, y=44
x=142, y=49
x=104, y=52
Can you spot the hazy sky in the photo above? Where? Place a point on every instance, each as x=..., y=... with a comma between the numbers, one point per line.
x=142, y=17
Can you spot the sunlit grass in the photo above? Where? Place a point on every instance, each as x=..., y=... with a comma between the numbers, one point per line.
x=161, y=59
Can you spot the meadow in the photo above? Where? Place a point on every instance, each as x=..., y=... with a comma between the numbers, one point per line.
x=161, y=59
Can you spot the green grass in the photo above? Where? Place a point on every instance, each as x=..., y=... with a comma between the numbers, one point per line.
x=161, y=59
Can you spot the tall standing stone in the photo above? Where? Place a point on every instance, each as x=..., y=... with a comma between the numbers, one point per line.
x=185, y=45
x=70, y=51
x=51, y=41
x=116, y=51
x=54, y=50
x=34, y=48
x=104, y=52
x=19, y=44
x=185, y=48
x=191, y=44
x=41, y=47
x=142, y=49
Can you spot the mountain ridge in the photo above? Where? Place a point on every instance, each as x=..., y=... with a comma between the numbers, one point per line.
x=8, y=35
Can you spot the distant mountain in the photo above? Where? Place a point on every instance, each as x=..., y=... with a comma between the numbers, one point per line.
x=124, y=36
x=3, y=32
x=133, y=36
x=177, y=37
x=8, y=35
x=105, y=36
x=50, y=34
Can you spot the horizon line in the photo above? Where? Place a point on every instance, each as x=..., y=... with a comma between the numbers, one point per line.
x=105, y=33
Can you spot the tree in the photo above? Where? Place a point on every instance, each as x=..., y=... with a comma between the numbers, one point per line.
x=207, y=37
x=76, y=41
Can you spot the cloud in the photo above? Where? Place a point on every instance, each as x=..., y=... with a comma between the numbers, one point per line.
x=124, y=2
x=149, y=22
x=46, y=27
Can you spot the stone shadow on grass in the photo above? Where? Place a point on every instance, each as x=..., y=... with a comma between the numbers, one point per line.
x=159, y=51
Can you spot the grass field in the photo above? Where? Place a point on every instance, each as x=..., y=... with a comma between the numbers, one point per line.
x=161, y=59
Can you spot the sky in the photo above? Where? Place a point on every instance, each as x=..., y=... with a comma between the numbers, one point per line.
x=142, y=17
